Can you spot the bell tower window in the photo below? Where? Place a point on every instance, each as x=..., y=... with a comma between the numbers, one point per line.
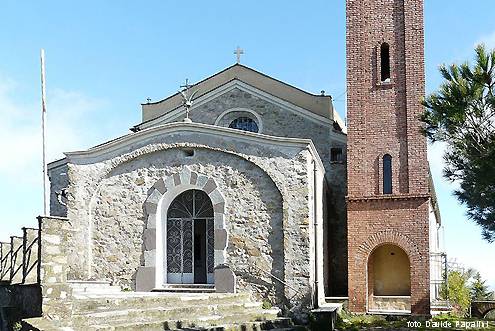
x=385, y=62
x=387, y=174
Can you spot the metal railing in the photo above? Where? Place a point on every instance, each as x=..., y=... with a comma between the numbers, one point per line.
x=4, y=260
x=28, y=247
x=14, y=269
x=20, y=260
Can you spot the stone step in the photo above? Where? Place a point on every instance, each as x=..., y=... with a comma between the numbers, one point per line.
x=93, y=287
x=130, y=300
x=280, y=324
x=196, y=312
x=186, y=290
x=190, y=286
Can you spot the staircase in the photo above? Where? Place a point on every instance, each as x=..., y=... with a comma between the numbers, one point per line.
x=102, y=307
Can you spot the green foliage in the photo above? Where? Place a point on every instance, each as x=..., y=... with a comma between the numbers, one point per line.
x=462, y=114
x=266, y=304
x=17, y=326
x=457, y=291
x=480, y=291
x=349, y=321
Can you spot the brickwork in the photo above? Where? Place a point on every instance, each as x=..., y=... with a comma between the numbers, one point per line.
x=383, y=118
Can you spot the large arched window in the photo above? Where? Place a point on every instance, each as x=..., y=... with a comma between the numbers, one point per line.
x=244, y=124
x=387, y=174
x=385, y=62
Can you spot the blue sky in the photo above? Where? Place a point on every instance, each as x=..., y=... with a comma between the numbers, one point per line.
x=106, y=57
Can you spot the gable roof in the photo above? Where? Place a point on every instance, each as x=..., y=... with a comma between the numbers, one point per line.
x=318, y=104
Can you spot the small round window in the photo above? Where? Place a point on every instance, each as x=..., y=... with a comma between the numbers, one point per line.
x=245, y=124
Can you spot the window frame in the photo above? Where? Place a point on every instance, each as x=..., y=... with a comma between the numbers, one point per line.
x=387, y=174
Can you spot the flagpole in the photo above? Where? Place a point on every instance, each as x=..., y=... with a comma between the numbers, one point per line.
x=43, y=121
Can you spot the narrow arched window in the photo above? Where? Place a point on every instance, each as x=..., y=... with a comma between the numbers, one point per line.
x=385, y=62
x=387, y=174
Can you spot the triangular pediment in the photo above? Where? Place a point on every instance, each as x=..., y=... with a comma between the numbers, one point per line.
x=177, y=114
x=319, y=105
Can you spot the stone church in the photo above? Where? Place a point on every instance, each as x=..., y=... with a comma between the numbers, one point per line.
x=258, y=186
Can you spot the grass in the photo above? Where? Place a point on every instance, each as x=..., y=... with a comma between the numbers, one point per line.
x=355, y=322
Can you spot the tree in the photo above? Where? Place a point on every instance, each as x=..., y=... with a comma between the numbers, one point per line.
x=480, y=291
x=456, y=290
x=462, y=114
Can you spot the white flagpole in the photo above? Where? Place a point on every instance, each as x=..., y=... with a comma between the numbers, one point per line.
x=43, y=120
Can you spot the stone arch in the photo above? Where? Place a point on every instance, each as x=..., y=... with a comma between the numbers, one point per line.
x=160, y=196
x=153, y=148
x=489, y=310
x=480, y=309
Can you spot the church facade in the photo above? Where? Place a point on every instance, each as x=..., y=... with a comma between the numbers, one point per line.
x=261, y=188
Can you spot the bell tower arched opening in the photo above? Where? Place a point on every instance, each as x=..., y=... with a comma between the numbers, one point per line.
x=389, y=279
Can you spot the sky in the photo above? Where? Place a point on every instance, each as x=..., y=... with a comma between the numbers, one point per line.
x=105, y=58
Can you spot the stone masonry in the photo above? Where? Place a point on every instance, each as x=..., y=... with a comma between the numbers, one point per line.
x=383, y=118
x=56, y=233
x=267, y=211
x=275, y=121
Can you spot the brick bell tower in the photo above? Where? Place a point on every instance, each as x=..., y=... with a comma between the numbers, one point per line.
x=388, y=191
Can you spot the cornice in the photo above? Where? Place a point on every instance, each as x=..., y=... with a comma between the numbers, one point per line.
x=121, y=143
x=388, y=197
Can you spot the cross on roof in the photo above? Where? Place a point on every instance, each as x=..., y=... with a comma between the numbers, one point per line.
x=186, y=86
x=238, y=52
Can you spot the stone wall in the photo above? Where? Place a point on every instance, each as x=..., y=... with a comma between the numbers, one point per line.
x=273, y=120
x=55, y=238
x=277, y=121
x=267, y=206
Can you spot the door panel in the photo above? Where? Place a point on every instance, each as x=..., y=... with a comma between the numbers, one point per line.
x=200, y=251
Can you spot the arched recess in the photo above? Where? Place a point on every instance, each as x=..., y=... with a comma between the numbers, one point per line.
x=390, y=256
x=161, y=195
x=389, y=278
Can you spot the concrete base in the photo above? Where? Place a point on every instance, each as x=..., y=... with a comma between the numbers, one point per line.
x=390, y=303
x=325, y=318
x=225, y=281
x=145, y=279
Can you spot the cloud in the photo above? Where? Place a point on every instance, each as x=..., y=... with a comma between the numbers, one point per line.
x=71, y=118
x=488, y=40
x=68, y=128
